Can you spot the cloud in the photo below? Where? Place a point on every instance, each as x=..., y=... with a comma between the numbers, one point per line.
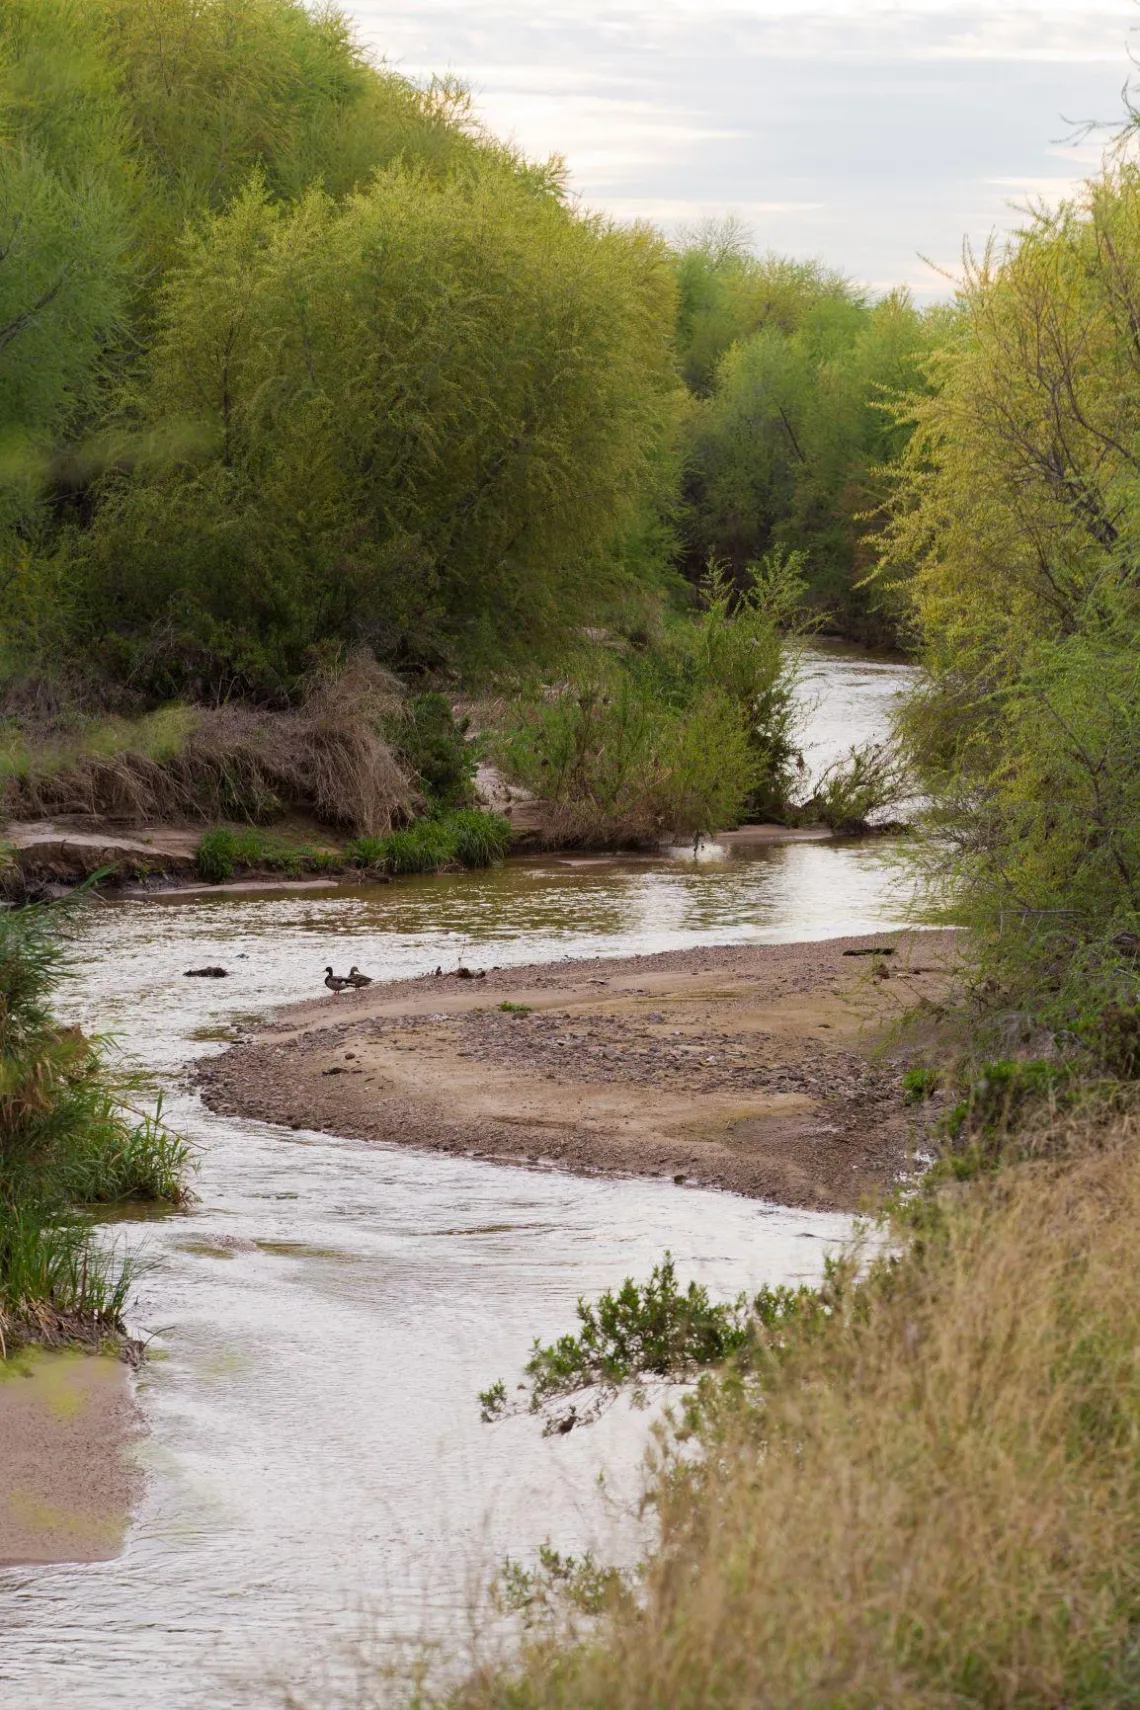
x=1051, y=190
x=865, y=131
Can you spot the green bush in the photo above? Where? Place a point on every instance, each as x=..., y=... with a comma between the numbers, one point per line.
x=424, y=847
x=434, y=743
x=919, y=1084
x=471, y=837
x=368, y=852
x=480, y=839
x=690, y=733
x=639, y=1330
x=216, y=855
x=986, y=1120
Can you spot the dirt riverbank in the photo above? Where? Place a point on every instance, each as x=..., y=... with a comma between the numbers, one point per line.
x=66, y=1483
x=771, y=1070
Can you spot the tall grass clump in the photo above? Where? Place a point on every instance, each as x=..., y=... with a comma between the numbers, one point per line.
x=469, y=838
x=691, y=732
x=480, y=839
x=69, y=1138
x=922, y=1494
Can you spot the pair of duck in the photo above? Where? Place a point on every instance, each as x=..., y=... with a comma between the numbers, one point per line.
x=353, y=980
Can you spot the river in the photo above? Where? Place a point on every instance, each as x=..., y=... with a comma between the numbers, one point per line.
x=325, y=1313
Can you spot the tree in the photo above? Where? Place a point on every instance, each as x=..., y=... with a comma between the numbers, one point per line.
x=786, y=451
x=416, y=419
x=1015, y=515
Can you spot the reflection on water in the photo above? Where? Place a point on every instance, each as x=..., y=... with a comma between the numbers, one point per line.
x=326, y=1313
x=538, y=909
x=847, y=700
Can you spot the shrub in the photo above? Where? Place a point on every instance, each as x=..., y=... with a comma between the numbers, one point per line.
x=367, y=852
x=856, y=790
x=472, y=838
x=434, y=745
x=424, y=847
x=919, y=1084
x=480, y=839
x=216, y=855
x=684, y=736
x=1012, y=531
x=653, y=1329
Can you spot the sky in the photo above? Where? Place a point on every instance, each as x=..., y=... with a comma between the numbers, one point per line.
x=874, y=134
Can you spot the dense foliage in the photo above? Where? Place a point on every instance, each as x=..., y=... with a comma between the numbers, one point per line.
x=1018, y=502
x=293, y=357
x=685, y=732
x=794, y=372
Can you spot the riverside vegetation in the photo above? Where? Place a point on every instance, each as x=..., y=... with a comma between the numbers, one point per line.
x=72, y=1136
x=279, y=442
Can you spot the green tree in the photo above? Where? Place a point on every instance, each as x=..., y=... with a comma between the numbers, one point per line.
x=1015, y=517
x=64, y=244
x=787, y=451
x=416, y=419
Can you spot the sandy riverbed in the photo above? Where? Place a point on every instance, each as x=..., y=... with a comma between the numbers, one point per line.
x=66, y=1483
x=769, y=1070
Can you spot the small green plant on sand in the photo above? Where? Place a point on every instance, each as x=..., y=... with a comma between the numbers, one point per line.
x=509, y=1008
x=650, y=1330
x=493, y=1401
x=919, y=1084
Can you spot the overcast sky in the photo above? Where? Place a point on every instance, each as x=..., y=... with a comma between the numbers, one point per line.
x=866, y=132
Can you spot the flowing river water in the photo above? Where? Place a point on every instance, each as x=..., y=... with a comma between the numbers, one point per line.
x=325, y=1313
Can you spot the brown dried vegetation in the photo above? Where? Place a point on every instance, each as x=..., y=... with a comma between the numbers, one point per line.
x=329, y=757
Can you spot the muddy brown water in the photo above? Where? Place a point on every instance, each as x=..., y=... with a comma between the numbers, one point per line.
x=324, y=1315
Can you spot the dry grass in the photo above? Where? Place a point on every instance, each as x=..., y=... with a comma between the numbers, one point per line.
x=330, y=758
x=586, y=825
x=932, y=1503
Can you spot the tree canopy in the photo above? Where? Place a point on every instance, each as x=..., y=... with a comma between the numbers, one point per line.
x=794, y=372
x=1016, y=509
x=293, y=354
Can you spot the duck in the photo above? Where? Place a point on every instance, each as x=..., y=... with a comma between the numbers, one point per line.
x=335, y=982
x=357, y=979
